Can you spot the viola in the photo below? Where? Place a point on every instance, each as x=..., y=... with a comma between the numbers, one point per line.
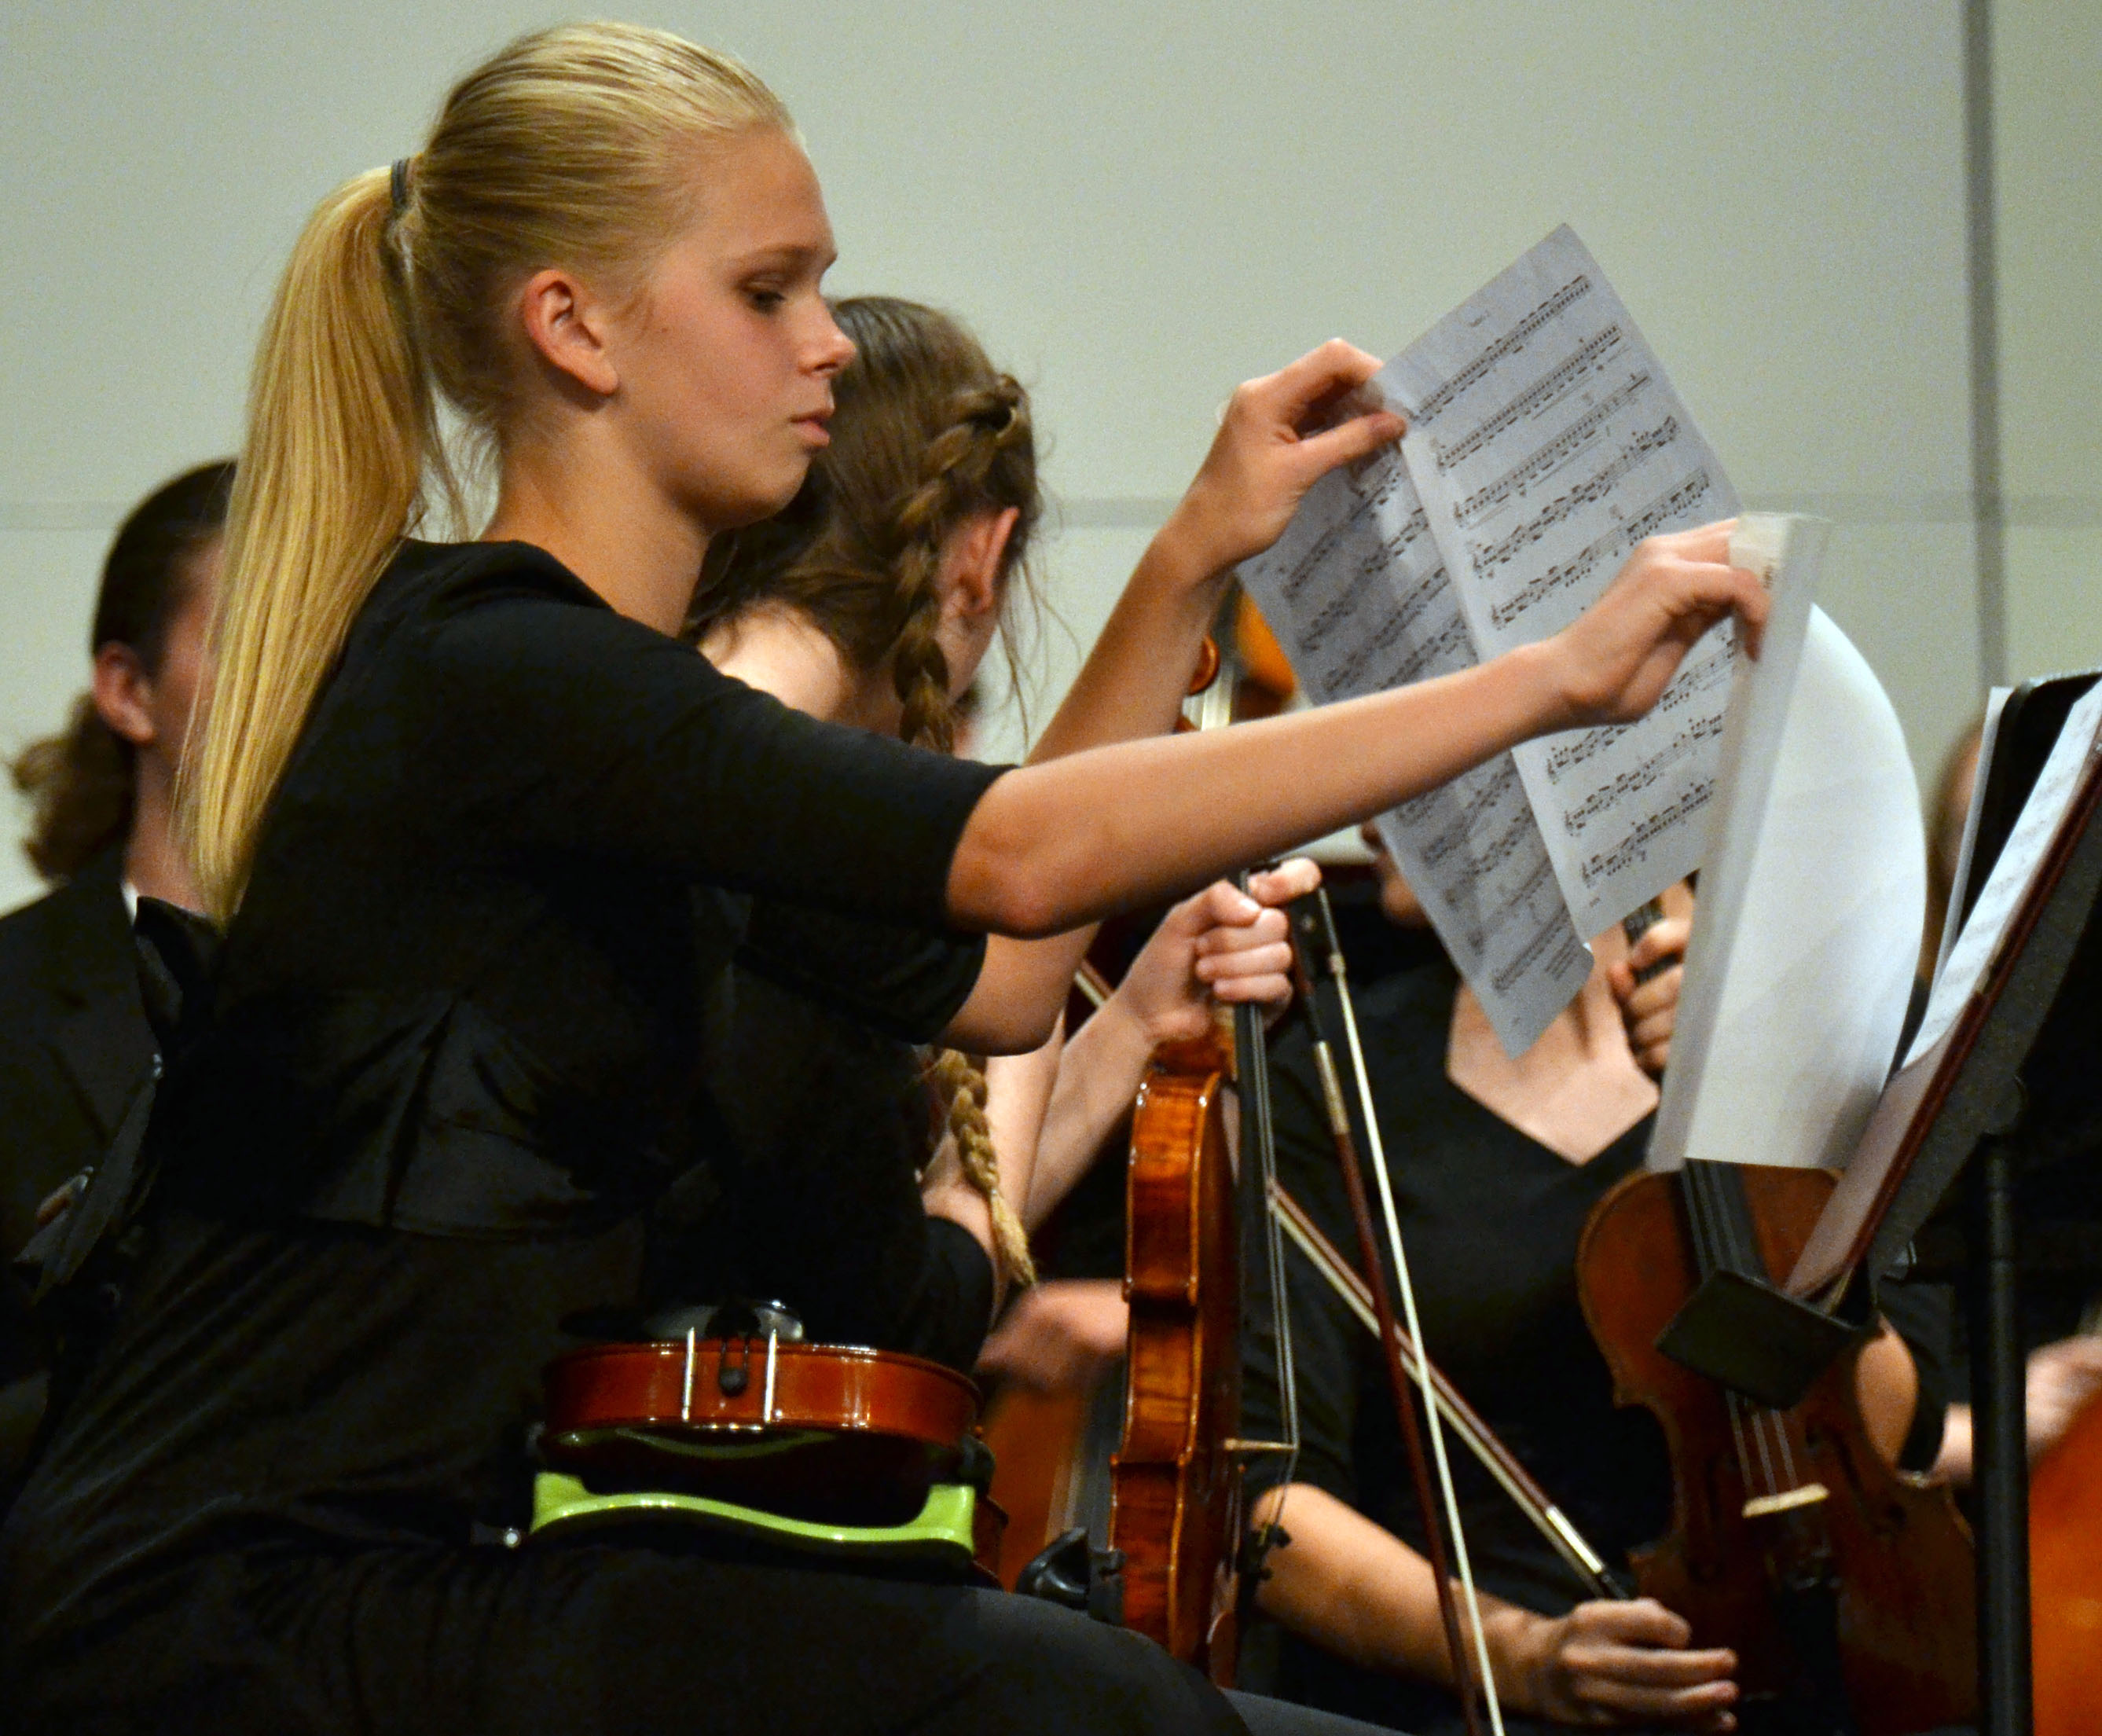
x=1840, y=1584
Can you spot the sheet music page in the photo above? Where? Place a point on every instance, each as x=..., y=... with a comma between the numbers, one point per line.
x=1357, y=593
x=1546, y=442
x=1786, y=552
x=1824, y=1255
x=1996, y=702
x=2042, y=813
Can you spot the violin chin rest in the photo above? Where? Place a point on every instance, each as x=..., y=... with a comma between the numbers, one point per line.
x=1751, y=1338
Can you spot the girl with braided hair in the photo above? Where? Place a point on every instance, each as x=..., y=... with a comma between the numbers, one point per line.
x=475, y=835
x=872, y=599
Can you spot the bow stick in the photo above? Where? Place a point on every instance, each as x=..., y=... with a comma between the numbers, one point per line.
x=1313, y=927
x=1497, y=1460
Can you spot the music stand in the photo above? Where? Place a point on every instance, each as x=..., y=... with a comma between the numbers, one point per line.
x=2019, y=1090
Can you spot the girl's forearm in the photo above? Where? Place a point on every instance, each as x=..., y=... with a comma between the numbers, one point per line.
x=1098, y=1077
x=1018, y=1089
x=1132, y=685
x=1353, y=1587
x=1053, y=845
x=1138, y=675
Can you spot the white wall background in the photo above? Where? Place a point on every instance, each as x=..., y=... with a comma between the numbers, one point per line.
x=1136, y=207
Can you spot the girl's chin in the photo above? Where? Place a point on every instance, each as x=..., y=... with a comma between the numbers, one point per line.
x=760, y=500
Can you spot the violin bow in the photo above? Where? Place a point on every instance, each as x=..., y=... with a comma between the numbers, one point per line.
x=1314, y=928
x=1483, y=1441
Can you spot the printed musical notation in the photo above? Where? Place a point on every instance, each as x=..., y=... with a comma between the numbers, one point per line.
x=1358, y=593
x=1544, y=442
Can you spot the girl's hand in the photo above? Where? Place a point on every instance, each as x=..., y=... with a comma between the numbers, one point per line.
x=1608, y=1664
x=1650, y=1010
x=2063, y=1380
x=1061, y=1336
x=1223, y=944
x=1277, y=436
x=1611, y=664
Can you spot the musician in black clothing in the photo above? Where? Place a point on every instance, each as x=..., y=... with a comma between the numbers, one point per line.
x=74, y=1045
x=478, y=833
x=1496, y=1166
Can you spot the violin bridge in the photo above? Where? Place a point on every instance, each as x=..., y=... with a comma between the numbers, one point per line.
x=1762, y=1506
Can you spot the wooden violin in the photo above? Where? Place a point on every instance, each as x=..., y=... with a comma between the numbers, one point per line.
x=1175, y=1483
x=834, y=1434
x=1842, y=1585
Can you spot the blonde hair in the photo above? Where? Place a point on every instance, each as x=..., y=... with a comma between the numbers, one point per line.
x=956, y=1077
x=575, y=145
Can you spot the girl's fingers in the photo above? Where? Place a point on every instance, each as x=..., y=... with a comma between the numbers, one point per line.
x=1348, y=442
x=1218, y=972
x=1329, y=371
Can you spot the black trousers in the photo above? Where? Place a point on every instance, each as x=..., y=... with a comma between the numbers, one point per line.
x=623, y=1641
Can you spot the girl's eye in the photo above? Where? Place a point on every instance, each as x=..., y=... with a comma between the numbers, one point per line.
x=766, y=300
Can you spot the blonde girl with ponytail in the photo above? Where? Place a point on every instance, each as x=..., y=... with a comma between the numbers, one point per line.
x=477, y=834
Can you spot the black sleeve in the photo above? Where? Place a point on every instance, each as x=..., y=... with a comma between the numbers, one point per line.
x=815, y=1202
x=904, y=981
x=565, y=725
x=1328, y=1342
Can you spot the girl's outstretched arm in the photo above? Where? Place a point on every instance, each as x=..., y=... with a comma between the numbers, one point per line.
x=1053, y=845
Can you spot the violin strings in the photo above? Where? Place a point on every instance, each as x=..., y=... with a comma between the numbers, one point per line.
x=1702, y=1214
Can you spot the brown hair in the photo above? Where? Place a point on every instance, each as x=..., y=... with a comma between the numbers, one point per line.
x=82, y=780
x=927, y=435
x=575, y=145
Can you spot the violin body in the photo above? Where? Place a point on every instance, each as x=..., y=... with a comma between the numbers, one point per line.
x=1880, y=1566
x=2065, y=1580
x=830, y=1433
x=1175, y=1482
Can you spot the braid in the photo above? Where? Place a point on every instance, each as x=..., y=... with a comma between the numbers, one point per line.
x=984, y=422
x=963, y=1081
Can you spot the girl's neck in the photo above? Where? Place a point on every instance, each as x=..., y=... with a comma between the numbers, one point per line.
x=618, y=533
x=780, y=651
x=153, y=863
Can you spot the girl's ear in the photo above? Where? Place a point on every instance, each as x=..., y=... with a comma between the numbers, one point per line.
x=123, y=694
x=566, y=324
x=974, y=561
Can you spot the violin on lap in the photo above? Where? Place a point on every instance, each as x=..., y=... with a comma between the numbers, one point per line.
x=739, y=1426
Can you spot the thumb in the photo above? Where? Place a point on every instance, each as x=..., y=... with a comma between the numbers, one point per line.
x=1221, y=904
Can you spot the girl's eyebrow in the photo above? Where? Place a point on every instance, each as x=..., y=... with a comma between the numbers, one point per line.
x=791, y=255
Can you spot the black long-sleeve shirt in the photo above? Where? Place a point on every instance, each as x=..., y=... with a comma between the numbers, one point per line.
x=456, y=1049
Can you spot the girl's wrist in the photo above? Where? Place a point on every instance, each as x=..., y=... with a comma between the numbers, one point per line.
x=1190, y=557
x=1537, y=694
x=1518, y=1642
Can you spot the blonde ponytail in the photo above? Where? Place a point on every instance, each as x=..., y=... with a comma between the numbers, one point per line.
x=340, y=427
x=576, y=146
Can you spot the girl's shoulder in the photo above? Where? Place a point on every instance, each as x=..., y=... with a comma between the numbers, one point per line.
x=439, y=579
